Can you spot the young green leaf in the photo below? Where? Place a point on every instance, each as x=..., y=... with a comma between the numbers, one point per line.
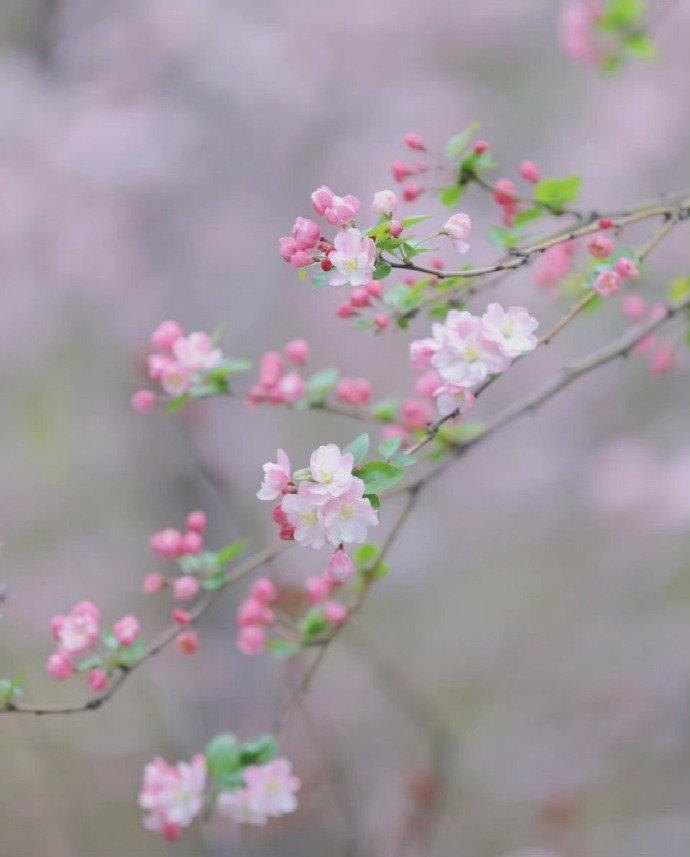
x=378, y=476
x=555, y=193
x=232, y=551
x=359, y=448
x=390, y=446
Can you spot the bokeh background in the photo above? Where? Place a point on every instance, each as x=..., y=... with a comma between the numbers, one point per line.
x=521, y=678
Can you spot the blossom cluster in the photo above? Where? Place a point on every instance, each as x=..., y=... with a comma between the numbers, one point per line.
x=78, y=633
x=466, y=350
x=246, y=783
x=660, y=353
x=276, y=385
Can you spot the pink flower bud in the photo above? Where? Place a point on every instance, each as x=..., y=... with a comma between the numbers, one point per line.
x=143, y=401
x=608, y=283
x=187, y=643
x=340, y=568
x=437, y=263
x=297, y=351
x=375, y=288
x=288, y=247
x=411, y=192
x=421, y=352
x=87, y=608
x=417, y=413
x=153, y=582
x=291, y=388
x=626, y=268
x=270, y=369
x=98, y=680
x=427, y=384
x=157, y=365
x=180, y=616
x=635, y=307
x=605, y=223
x=279, y=515
x=326, y=265
x=354, y=391
x=256, y=395
x=264, y=590
x=57, y=623
x=335, y=612
x=193, y=542
x=401, y=170
x=480, y=147
x=385, y=202
x=287, y=533
x=306, y=233
x=415, y=142
x=322, y=199
x=166, y=335
x=168, y=543
x=301, y=259
x=254, y=612
x=176, y=379
x=663, y=359
x=251, y=640
x=381, y=320
x=529, y=172
x=600, y=246
x=59, y=666
x=505, y=192
x=393, y=431
x=186, y=588
x=395, y=228
x=317, y=588
x=346, y=310
x=359, y=297
x=126, y=630
x=197, y=521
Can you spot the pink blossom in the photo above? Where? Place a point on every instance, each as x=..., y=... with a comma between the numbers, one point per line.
x=251, y=640
x=385, y=202
x=172, y=795
x=354, y=391
x=276, y=477
x=335, y=612
x=360, y=297
x=186, y=588
x=607, y=283
x=381, y=320
x=126, y=630
x=529, y=172
x=317, y=589
x=306, y=233
x=505, y=192
x=291, y=253
x=416, y=413
x=391, y=431
x=450, y=398
x=401, y=170
x=626, y=268
x=511, y=330
x=600, y=246
x=59, y=666
x=422, y=352
x=353, y=258
x=187, y=643
x=331, y=472
x=79, y=630
x=634, y=307
x=480, y=147
x=176, y=379
x=427, y=384
x=193, y=542
x=297, y=351
x=196, y=352
x=168, y=543
x=555, y=264
x=153, y=582
x=158, y=364
x=663, y=359
x=375, y=288
x=395, y=228
x=271, y=788
x=306, y=517
x=98, y=680
x=347, y=517
x=465, y=356
x=336, y=210
x=235, y=806
x=196, y=521
x=411, y=192
x=180, y=616
x=254, y=612
x=340, y=568
x=166, y=335
x=264, y=590
x=291, y=388
x=415, y=142
x=143, y=401
x=457, y=228
x=577, y=30
x=270, y=369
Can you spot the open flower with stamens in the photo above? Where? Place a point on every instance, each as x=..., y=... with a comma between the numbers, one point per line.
x=353, y=258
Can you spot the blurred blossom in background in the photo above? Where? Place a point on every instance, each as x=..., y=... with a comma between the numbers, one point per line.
x=520, y=682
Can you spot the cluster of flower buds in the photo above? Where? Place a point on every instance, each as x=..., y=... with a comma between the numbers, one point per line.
x=78, y=633
x=614, y=268
x=661, y=354
x=276, y=385
x=466, y=350
x=247, y=783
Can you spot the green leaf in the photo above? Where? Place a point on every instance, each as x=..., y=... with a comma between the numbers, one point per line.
x=381, y=270
x=313, y=624
x=320, y=278
x=404, y=459
x=450, y=195
x=621, y=14
x=238, y=365
x=386, y=410
x=366, y=554
x=555, y=193
x=378, y=476
x=455, y=147
x=283, y=648
x=178, y=402
x=380, y=570
x=215, y=579
x=259, y=751
x=129, y=655
x=390, y=446
x=109, y=639
x=528, y=216
x=363, y=323
x=232, y=551
x=359, y=447
x=414, y=219
x=374, y=500
x=302, y=475
x=89, y=664
x=231, y=781
x=679, y=289
x=223, y=754
x=321, y=383
x=501, y=237
x=641, y=45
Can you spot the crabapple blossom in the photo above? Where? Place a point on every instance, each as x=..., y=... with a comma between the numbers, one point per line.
x=401, y=170
x=153, y=582
x=347, y=517
x=353, y=258
x=335, y=612
x=480, y=147
x=186, y=588
x=264, y=590
x=251, y=640
x=292, y=254
x=354, y=391
x=607, y=283
x=59, y=666
x=172, y=795
x=331, y=471
x=457, y=228
x=340, y=567
x=360, y=297
x=193, y=542
x=98, y=680
x=450, y=399
x=395, y=228
x=196, y=352
x=187, y=643
x=143, y=401
x=336, y=210
x=391, y=431
x=411, y=192
x=663, y=358
x=180, y=616
x=271, y=788
x=416, y=413
x=415, y=142
x=600, y=246
x=385, y=202
x=168, y=543
x=422, y=351
x=529, y=172
x=375, y=288
x=196, y=521
x=305, y=233
x=176, y=379
x=306, y=517
x=276, y=477
x=427, y=384
x=297, y=351
x=254, y=612
x=166, y=335
x=626, y=268
x=291, y=388
x=317, y=589
x=634, y=307
x=555, y=264
x=578, y=21
x=126, y=630
x=511, y=330
x=79, y=630
x=381, y=320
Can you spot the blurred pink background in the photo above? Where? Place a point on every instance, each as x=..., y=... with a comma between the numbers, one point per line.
x=529, y=652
